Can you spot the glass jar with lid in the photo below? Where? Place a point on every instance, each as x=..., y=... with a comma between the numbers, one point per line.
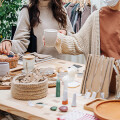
x=28, y=63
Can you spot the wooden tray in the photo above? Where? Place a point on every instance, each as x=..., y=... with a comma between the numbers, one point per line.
x=13, y=72
x=108, y=110
x=18, y=68
x=5, y=87
x=90, y=106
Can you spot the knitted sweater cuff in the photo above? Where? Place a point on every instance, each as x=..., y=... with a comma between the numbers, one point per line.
x=58, y=46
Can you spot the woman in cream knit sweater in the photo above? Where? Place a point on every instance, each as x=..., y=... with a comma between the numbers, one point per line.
x=45, y=14
x=99, y=35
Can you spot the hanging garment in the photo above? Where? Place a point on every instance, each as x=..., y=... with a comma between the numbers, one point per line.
x=74, y=12
x=85, y=14
x=67, y=4
x=74, y=15
x=77, y=22
x=69, y=9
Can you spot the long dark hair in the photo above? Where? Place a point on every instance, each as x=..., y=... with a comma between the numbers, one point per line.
x=56, y=7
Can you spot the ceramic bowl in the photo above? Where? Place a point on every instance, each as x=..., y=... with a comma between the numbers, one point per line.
x=4, y=68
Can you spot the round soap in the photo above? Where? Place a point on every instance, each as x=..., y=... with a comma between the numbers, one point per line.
x=63, y=108
x=54, y=108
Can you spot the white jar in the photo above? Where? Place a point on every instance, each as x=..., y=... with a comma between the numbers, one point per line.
x=4, y=68
x=28, y=63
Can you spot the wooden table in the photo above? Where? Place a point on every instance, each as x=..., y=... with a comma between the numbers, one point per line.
x=43, y=112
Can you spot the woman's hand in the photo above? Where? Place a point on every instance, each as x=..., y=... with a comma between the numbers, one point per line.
x=63, y=32
x=43, y=39
x=5, y=47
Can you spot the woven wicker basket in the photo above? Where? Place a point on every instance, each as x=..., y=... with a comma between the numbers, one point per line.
x=13, y=62
x=29, y=91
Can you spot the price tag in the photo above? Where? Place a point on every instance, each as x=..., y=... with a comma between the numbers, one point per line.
x=102, y=95
x=94, y=94
x=87, y=95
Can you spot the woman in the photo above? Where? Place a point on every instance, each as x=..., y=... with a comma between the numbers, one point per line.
x=44, y=14
x=99, y=35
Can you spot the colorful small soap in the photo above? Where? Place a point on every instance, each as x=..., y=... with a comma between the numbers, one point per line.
x=54, y=108
x=63, y=108
x=39, y=103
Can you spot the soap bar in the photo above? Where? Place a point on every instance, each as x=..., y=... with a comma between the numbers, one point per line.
x=63, y=108
x=54, y=108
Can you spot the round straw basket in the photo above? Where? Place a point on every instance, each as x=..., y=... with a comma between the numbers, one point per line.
x=29, y=91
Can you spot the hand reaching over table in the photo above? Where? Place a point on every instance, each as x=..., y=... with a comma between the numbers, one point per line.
x=63, y=32
x=5, y=47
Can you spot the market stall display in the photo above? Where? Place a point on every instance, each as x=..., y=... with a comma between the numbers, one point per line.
x=50, y=70
x=90, y=106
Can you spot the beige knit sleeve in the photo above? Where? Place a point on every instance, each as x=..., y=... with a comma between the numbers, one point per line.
x=78, y=43
x=20, y=41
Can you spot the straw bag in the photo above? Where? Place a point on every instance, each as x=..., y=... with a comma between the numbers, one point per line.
x=29, y=91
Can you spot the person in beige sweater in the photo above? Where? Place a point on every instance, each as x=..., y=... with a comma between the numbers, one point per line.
x=99, y=35
x=45, y=16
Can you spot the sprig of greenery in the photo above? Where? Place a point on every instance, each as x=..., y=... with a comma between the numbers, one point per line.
x=8, y=17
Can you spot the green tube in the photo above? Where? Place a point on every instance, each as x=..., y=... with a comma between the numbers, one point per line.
x=57, y=88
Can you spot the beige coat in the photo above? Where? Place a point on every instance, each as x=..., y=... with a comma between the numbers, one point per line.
x=20, y=41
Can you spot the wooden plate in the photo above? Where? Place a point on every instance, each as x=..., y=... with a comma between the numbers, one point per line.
x=90, y=106
x=108, y=110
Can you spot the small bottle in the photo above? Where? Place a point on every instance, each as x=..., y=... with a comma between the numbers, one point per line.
x=65, y=93
x=57, y=88
x=65, y=98
x=74, y=100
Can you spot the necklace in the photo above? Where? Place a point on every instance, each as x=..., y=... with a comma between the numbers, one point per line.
x=102, y=82
x=88, y=94
x=92, y=59
x=109, y=61
x=102, y=59
x=85, y=74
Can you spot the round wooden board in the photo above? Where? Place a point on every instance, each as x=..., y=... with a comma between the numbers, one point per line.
x=108, y=110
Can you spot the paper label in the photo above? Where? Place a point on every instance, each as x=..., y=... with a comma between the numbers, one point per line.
x=94, y=94
x=102, y=95
x=118, y=95
x=87, y=95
